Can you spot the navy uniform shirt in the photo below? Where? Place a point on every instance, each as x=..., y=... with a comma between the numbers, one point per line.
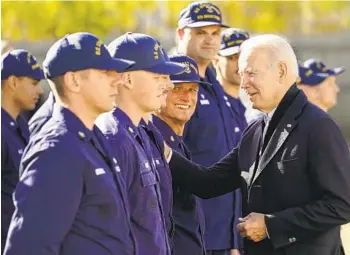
x=14, y=138
x=71, y=198
x=42, y=115
x=237, y=111
x=187, y=212
x=142, y=181
x=155, y=141
x=209, y=137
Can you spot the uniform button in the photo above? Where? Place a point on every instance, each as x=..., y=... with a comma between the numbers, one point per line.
x=81, y=134
x=12, y=123
x=117, y=168
x=172, y=139
x=292, y=239
x=289, y=125
x=131, y=130
x=115, y=161
x=225, y=97
x=153, y=203
x=105, y=210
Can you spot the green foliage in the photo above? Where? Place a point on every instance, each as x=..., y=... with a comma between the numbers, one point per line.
x=38, y=20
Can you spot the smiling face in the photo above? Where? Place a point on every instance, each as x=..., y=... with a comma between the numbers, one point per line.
x=180, y=103
x=260, y=80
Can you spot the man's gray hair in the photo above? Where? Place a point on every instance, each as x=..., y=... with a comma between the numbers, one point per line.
x=277, y=46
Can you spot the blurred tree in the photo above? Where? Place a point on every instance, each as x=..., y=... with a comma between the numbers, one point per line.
x=37, y=20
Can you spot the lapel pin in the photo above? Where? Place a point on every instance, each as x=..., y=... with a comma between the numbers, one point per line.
x=81, y=135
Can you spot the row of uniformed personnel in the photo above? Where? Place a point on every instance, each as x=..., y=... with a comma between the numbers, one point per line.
x=134, y=150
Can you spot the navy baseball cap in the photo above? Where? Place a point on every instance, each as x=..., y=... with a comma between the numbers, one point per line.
x=146, y=52
x=309, y=77
x=20, y=63
x=80, y=51
x=200, y=14
x=191, y=73
x=319, y=67
x=231, y=40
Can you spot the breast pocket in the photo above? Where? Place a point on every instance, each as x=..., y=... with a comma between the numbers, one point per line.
x=148, y=177
x=101, y=203
x=144, y=199
x=163, y=172
x=287, y=165
x=149, y=183
x=201, y=135
x=99, y=184
x=165, y=184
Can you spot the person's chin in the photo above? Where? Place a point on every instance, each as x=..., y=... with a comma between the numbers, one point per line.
x=155, y=107
x=183, y=117
x=207, y=56
x=255, y=106
x=107, y=109
x=333, y=104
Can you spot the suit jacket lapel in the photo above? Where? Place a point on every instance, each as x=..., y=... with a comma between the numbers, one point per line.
x=253, y=152
x=281, y=133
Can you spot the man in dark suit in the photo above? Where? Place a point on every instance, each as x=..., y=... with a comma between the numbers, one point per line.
x=294, y=160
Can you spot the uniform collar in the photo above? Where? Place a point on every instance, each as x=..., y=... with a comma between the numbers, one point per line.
x=51, y=99
x=12, y=124
x=72, y=122
x=235, y=103
x=268, y=116
x=169, y=135
x=210, y=77
x=8, y=120
x=124, y=120
x=144, y=124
